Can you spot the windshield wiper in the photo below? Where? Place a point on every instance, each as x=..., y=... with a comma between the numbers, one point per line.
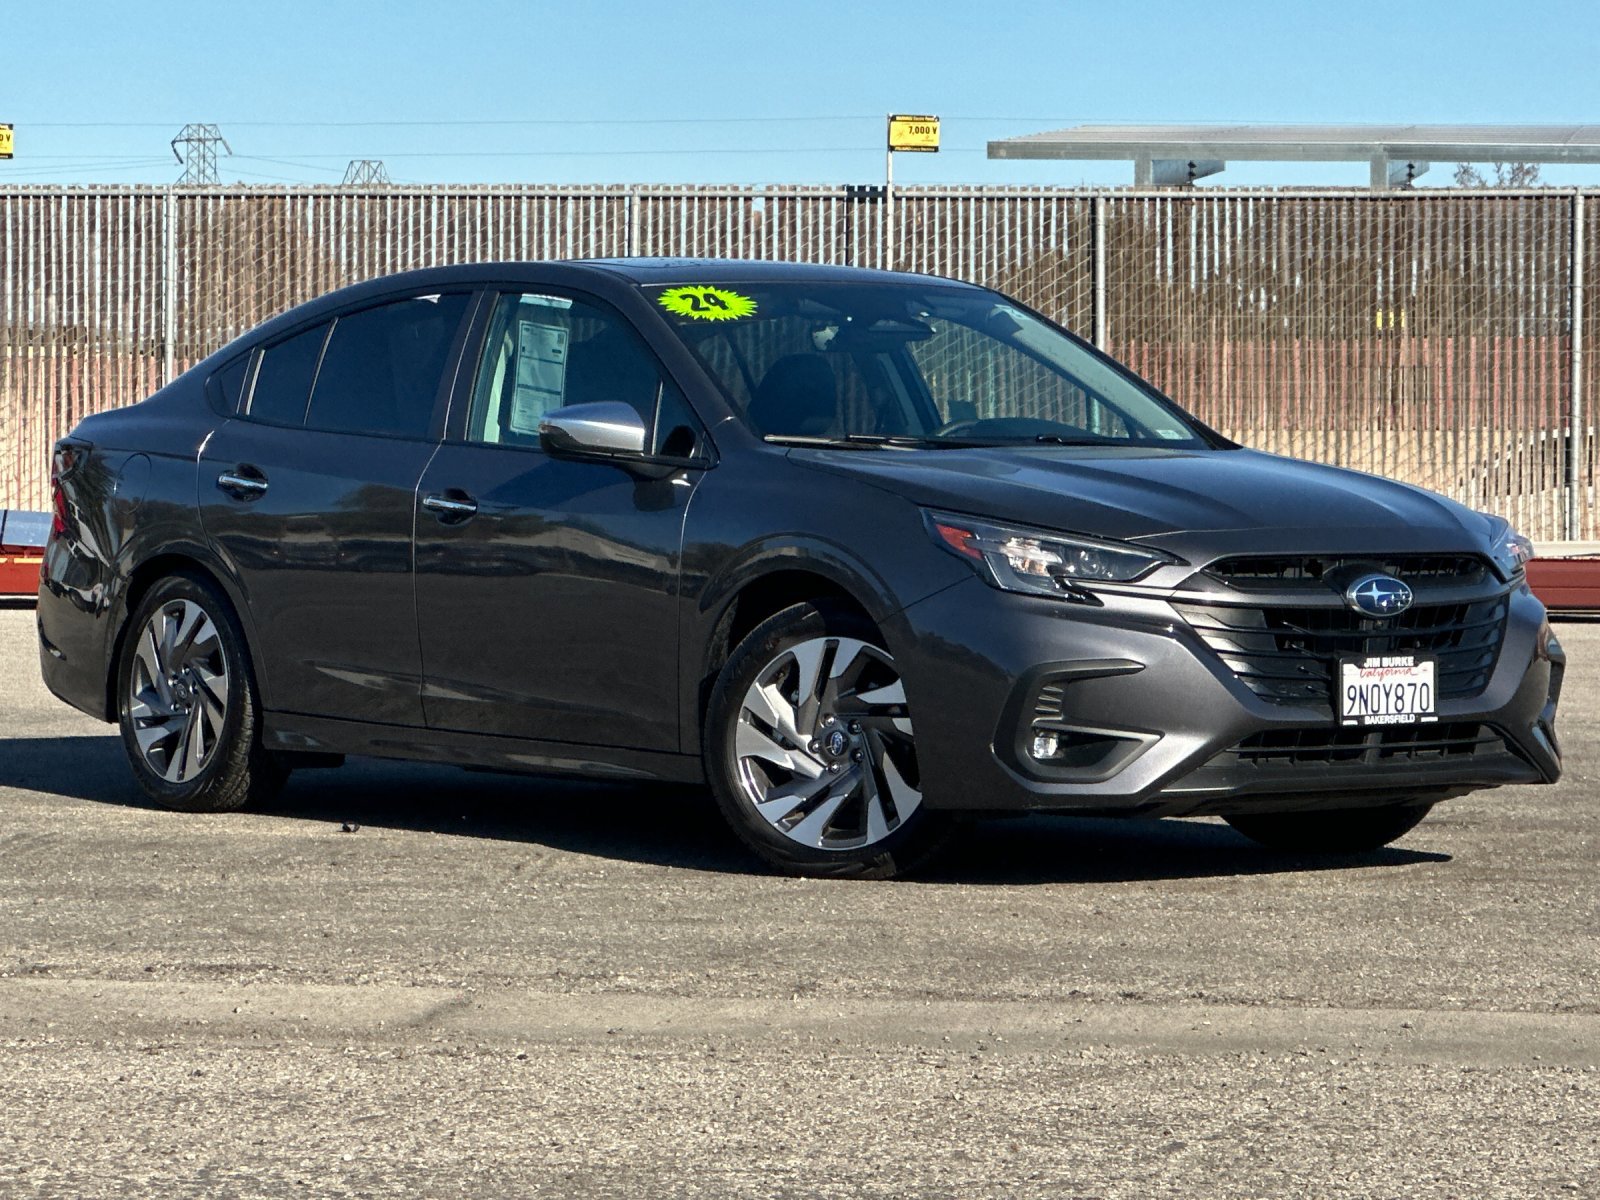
x=866, y=440
x=914, y=442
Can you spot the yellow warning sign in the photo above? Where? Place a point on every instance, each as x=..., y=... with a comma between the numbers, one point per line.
x=914, y=133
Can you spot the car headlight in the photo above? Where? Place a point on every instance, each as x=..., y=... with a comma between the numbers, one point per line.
x=1508, y=548
x=1042, y=563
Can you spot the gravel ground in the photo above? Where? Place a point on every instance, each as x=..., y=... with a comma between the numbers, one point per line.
x=502, y=987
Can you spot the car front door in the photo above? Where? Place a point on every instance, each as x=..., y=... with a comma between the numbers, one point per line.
x=309, y=494
x=547, y=587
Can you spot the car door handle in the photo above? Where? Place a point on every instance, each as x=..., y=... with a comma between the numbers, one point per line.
x=241, y=486
x=450, y=509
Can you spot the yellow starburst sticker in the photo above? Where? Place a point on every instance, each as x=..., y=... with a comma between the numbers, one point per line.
x=700, y=302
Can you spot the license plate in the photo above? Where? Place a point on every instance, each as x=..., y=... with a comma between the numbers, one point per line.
x=1388, y=689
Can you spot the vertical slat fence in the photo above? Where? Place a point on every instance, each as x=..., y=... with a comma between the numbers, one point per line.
x=1421, y=336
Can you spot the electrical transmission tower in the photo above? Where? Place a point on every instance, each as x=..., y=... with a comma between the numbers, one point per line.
x=363, y=172
x=199, y=153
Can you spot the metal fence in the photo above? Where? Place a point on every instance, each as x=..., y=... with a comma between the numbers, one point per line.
x=1432, y=338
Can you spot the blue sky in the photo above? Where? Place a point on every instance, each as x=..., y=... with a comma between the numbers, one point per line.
x=757, y=92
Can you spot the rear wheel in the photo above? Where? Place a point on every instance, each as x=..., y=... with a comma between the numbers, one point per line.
x=811, y=753
x=187, y=703
x=1330, y=831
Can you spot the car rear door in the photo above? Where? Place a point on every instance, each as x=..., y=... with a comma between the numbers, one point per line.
x=309, y=495
x=547, y=588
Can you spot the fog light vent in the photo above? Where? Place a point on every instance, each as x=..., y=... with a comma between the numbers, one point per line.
x=1047, y=704
x=1048, y=730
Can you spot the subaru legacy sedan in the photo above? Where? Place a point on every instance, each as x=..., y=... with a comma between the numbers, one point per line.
x=864, y=552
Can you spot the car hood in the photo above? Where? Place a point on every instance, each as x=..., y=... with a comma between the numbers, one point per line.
x=1231, y=500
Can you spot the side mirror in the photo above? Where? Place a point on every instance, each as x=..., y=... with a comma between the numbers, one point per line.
x=604, y=427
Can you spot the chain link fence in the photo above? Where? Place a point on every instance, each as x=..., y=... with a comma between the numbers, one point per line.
x=1420, y=336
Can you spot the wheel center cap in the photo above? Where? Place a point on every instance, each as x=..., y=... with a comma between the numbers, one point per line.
x=181, y=693
x=836, y=743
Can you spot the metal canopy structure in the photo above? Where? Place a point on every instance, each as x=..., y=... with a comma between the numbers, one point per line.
x=1167, y=155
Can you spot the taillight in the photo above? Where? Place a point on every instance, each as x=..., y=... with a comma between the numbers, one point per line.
x=61, y=462
x=58, y=502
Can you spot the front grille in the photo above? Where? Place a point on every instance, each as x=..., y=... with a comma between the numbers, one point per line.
x=1431, y=742
x=1291, y=655
x=1291, y=572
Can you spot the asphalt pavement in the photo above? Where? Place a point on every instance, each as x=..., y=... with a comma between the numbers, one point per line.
x=507, y=987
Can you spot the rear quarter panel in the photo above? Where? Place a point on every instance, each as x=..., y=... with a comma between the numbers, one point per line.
x=130, y=500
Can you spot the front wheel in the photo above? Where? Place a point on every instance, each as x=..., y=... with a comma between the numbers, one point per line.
x=811, y=753
x=1330, y=831
x=187, y=703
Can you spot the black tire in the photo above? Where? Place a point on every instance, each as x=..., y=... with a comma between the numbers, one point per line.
x=236, y=771
x=1330, y=831
x=910, y=844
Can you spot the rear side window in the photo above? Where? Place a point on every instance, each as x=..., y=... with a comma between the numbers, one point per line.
x=283, y=381
x=227, y=385
x=382, y=368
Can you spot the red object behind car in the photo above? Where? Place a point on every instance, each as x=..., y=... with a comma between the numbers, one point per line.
x=22, y=539
x=1566, y=584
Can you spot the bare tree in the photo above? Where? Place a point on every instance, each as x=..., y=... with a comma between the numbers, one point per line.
x=1506, y=175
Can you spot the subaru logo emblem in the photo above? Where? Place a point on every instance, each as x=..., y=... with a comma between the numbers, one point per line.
x=1378, y=596
x=837, y=743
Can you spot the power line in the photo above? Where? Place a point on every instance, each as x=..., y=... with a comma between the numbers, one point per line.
x=501, y=122
x=604, y=153
x=269, y=178
x=84, y=156
x=284, y=162
x=457, y=123
x=25, y=173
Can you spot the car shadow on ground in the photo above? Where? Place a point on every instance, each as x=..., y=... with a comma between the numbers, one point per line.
x=678, y=826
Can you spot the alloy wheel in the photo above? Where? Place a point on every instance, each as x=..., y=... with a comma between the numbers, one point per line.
x=178, y=690
x=824, y=745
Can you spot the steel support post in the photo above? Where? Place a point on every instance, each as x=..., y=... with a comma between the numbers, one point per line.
x=1577, y=489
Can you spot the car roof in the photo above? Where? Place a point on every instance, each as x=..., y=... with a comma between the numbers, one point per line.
x=647, y=271
x=639, y=272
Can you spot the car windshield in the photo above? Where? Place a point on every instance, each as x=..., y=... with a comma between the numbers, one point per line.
x=918, y=364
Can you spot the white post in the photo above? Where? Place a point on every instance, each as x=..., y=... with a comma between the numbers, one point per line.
x=169, y=285
x=1576, y=486
x=1100, y=332
x=888, y=260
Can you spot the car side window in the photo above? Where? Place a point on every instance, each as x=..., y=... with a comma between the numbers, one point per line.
x=544, y=352
x=283, y=380
x=677, y=432
x=226, y=386
x=381, y=370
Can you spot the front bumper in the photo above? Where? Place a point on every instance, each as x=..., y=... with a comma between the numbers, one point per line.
x=1157, y=724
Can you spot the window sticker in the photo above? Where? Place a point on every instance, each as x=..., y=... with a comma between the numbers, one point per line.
x=700, y=302
x=541, y=379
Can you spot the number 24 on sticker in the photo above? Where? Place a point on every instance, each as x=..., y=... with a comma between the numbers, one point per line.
x=699, y=302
